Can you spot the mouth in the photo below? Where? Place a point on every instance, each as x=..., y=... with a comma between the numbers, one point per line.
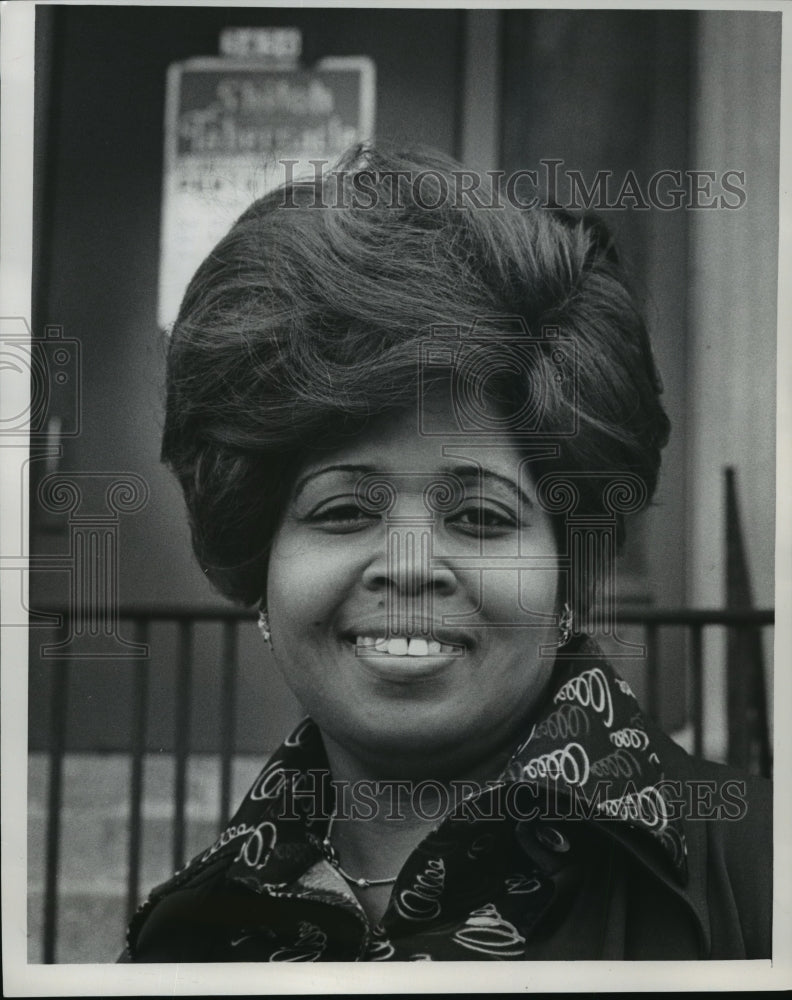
x=407, y=659
x=403, y=646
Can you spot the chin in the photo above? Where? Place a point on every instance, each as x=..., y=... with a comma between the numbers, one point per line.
x=417, y=747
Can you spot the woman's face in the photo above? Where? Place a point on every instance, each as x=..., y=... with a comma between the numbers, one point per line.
x=411, y=634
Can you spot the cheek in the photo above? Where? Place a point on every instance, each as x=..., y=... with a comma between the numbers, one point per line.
x=539, y=584
x=516, y=592
x=305, y=584
x=539, y=590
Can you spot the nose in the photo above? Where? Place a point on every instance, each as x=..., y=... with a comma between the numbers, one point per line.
x=409, y=575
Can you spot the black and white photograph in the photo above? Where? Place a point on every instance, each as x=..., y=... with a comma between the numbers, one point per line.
x=395, y=564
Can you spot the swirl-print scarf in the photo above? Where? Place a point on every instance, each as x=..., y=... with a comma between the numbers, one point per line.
x=591, y=744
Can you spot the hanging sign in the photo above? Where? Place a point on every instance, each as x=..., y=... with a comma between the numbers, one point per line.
x=233, y=131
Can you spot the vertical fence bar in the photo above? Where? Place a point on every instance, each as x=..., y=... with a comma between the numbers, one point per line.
x=652, y=674
x=58, y=707
x=139, y=708
x=697, y=693
x=738, y=687
x=228, y=716
x=182, y=739
x=762, y=722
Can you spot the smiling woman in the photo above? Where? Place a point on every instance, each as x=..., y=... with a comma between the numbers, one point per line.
x=386, y=414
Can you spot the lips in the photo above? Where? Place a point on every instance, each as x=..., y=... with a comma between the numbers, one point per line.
x=403, y=661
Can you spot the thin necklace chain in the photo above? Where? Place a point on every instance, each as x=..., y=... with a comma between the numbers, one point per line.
x=332, y=857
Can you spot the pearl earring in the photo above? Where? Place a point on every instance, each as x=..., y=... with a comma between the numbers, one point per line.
x=565, y=625
x=264, y=625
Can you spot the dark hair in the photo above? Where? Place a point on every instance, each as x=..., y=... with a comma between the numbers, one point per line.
x=309, y=318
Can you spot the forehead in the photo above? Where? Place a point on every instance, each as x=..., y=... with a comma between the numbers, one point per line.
x=424, y=442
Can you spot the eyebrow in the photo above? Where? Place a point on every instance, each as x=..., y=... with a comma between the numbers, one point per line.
x=303, y=482
x=463, y=472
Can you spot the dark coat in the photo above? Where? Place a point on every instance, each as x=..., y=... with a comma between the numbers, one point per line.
x=546, y=884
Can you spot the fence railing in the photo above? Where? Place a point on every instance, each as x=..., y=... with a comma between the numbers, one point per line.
x=693, y=622
x=648, y=621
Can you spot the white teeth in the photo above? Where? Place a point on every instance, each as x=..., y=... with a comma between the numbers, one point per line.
x=403, y=646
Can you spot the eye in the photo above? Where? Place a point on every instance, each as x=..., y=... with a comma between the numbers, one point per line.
x=341, y=516
x=483, y=519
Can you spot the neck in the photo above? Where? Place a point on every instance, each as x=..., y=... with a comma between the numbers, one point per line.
x=379, y=820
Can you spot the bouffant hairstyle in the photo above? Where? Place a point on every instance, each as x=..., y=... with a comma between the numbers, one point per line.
x=312, y=315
